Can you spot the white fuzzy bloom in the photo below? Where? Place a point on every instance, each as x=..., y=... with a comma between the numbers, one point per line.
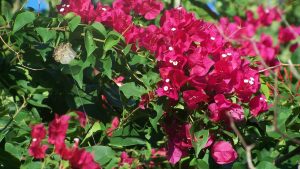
x=64, y=53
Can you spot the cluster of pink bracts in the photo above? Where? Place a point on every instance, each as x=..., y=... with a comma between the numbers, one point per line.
x=205, y=64
x=77, y=157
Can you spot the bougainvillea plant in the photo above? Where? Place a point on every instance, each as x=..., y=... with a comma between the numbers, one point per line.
x=150, y=84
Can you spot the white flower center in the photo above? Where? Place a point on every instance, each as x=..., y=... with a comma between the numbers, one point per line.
x=171, y=48
x=167, y=80
x=229, y=54
x=103, y=9
x=76, y=140
x=175, y=63
x=62, y=9
x=34, y=139
x=246, y=81
x=173, y=29
x=212, y=38
x=224, y=55
x=166, y=88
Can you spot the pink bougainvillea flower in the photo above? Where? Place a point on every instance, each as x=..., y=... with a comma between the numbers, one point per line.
x=294, y=47
x=193, y=97
x=114, y=125
x=268, y=15
x=57, y=130
x=149, y=38
x=210, y=141
x=103, y=12
x=246, y=82
x=222, y=106
x=223, y=153
x=125, y=159
x=36, y=149
x=258, y=105
x=179, y=140
x=173, y=79
x=83, y=8
x=82, y=118
x=119, y=80
x=158, y=152
x=199, y=62
x=174, y=153
x=145, y=100
x=125, y=5
x=150, y=9
x=267, y=51
x=38, y=132
x=81, y=159
x=287, y=34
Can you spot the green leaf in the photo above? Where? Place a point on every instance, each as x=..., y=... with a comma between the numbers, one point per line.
x=102, y=154
x=132, y=90
x=2, y=21
x=127, y=49
x=159, y=112
x=107, y=67
x=23, y=19
x=199, y=164
x=32, y=165
x=265, y=164
x=201, y=139
x=89, y=43
x=265, y=90
x=99, y=27
x=38, y=104
x=238, y=165
x=46, y=34
x=73, y=24
x=296, y=57
x=95, y=128
x=110, y=42
x=14, y=150
x=126, y=141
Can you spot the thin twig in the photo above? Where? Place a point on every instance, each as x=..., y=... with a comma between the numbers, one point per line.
x=124, y=121
x=247, y=147
x=9, y=47
x=279, y=65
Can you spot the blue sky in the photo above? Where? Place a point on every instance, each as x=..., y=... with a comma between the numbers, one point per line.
x=34, y=4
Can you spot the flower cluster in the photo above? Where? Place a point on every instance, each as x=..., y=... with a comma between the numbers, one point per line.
x=117, y=17
x=77, y=157
x=203, y=63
